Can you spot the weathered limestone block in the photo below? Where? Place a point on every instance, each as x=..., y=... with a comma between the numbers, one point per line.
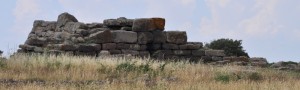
x=159, y=36
x=115, y=51
x=94, y=30
x=176, y=37
x=162, y=54
x=94, y=25
x=144, y=37
x=121, y=36
x=148, y=24
x=36, y=41
x=154, y=46
x=258, y=61
x=170, y=46
x=89, y=47
x=82, y=32
x=182, y=52
x=141, y=24
x=214, y=53
x=128, y=46
x=130, y=52
x=65, y=18
x=159, y=23
x=198, y=52
x=26, y=47
x=191, y=46
x=71, y=27
x=101, y=37
x=68, y=47
x=46, y=25
x=122, y=21
x=109, y=46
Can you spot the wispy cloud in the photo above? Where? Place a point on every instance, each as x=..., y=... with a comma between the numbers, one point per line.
x=264, y=21
x=241, y=18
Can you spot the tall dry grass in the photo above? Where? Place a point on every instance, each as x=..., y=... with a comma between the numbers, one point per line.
x=35, y=72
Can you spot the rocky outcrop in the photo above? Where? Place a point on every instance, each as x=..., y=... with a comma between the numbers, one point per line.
x=137, y=37
x=288, y=65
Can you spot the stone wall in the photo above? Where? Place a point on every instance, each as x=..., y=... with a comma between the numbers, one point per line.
x=138, y=37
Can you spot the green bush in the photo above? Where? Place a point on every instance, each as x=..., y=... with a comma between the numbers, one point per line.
x=230, y=46
x=222, y=77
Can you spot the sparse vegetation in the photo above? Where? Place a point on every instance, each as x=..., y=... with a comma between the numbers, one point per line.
x=32, y=72
x=230, y=46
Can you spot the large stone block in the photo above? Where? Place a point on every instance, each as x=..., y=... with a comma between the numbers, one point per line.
x=89, y=47
x=191, y=46
x=145, y=37
x=182, y=52
x=148, y=24
x=154, y=46
x=71, y=27
x=214, y=53
x=94, y=25
x=122, y=21
x=115, y=51
x=109, y=46
x=176, y=37
x=170, y=46
x=141, y=24
x=158, y=36
x=121, y=36
x=37, y=41
x=101, y=37
x=159, y=23
x=198, y=52
x=128, y=46
x=65, y=18
x=26, y=47
x=68, y=47
x=258, y=61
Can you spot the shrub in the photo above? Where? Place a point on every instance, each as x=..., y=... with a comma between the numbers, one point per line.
x=230, y=46
x=223, y=78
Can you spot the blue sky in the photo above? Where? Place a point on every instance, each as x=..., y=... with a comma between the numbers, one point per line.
x=268, y=28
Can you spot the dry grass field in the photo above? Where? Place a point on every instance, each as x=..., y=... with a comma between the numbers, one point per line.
x=64, y=72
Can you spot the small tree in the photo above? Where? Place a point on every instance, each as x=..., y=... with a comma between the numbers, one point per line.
x=230, y=46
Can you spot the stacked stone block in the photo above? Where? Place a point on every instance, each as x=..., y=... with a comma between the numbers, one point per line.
x=137, y=37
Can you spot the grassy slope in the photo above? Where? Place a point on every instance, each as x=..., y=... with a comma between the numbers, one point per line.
x=68, y=72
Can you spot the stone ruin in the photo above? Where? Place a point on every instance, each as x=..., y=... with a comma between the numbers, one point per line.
x=143, y=37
